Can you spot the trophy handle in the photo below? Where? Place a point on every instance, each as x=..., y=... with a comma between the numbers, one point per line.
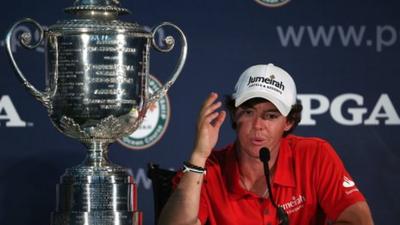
x=26, y=41
x=169, y=41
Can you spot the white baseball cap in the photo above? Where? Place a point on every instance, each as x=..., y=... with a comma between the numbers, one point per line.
x=269, y=82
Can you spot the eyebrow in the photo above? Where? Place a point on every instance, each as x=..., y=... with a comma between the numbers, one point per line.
x=252, y=107
x=272, y=110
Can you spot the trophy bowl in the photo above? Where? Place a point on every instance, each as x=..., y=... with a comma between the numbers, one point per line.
x=97, y=72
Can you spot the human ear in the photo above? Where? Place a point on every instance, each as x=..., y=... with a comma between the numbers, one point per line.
x=288, y=124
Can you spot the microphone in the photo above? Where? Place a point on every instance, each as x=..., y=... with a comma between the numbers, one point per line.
x=264, y=155
x=282, y=215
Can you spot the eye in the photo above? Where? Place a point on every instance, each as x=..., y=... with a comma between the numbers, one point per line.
x=245, y=113
x=271, y=115
x=248, y=112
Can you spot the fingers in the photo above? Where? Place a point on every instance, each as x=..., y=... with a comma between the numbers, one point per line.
x=208, y=111
x=214, y=118
x=209, y=102
x=208, y=125
x=220, y=119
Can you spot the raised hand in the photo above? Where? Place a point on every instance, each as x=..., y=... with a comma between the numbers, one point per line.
x=208, y=126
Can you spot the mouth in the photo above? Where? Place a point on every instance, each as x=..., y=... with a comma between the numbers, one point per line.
x=258, y=141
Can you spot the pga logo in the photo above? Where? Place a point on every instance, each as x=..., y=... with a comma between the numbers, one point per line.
x=340, y=111
x=9, y=114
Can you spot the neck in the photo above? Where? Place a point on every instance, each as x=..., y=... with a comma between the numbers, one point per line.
x=251, y=169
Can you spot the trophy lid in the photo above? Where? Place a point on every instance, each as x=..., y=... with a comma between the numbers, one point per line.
x=97, y=16
x=91, y=8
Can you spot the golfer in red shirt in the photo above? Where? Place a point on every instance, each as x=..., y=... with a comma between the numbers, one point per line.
x=266, y=176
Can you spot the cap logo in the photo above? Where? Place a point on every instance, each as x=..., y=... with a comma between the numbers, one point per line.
x=266, y=82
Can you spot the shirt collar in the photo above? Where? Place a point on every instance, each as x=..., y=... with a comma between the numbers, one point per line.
x=284, y=175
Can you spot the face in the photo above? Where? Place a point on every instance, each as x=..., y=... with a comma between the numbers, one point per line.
x=260, y=125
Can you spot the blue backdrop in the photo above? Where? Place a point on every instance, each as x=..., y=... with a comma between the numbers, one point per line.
x=344, y=56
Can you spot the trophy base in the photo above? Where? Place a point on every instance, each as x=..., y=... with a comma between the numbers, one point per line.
x=97, y=218
x=96, y=195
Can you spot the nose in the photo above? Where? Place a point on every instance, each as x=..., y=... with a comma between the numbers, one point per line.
x=258, y=122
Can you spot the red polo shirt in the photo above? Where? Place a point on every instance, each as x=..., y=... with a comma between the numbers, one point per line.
x=310, y=183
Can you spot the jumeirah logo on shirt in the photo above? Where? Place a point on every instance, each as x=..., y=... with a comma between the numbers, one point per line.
x=294, y=205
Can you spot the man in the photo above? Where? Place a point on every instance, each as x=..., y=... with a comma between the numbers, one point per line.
x=309, y=182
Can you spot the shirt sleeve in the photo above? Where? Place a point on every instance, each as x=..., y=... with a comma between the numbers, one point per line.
x=336, y=189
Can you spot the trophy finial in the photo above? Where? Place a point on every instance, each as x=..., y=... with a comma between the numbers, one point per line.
x=97, y=8
x=114, y=3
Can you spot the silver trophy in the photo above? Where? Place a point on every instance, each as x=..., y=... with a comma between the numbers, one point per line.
x=97, y=71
